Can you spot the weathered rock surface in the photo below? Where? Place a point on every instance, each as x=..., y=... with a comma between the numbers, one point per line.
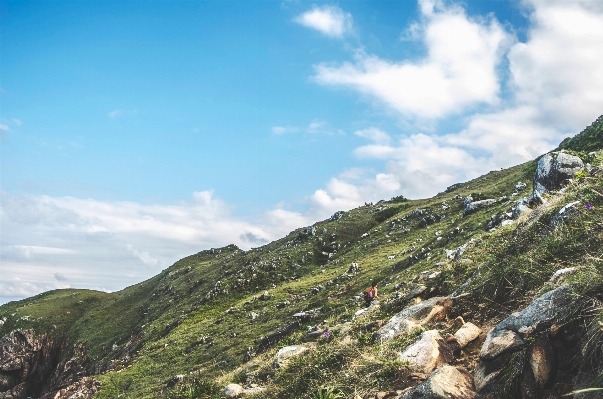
x=554, y=169
x=475, y=206
x=233, y=390
x=413, y=317
x=447, y=382
x=543, y=362
x=540, y=314
x=467, y=333
x=372, y=307
x=83, y=389
x=284, y=355
x=428, y=352
x=520, y=208
x=564, y=214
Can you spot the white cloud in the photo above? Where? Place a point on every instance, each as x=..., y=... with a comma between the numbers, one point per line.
x=459, y=71
x=284, y=129
x=4, y=127
x=329, y=20
x=374, y=134
x=115, y=113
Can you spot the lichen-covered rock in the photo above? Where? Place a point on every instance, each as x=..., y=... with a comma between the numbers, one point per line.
x=554, y=169
x=447, y=382
x=413, y=317
x=564, y=214
x=428, y=352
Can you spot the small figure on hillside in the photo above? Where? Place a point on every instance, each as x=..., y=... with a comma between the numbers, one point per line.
x=371, y=294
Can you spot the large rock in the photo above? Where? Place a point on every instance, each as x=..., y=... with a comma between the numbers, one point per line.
x=540, y=314
x=564, y=214
x=284, y=355
x=428, y=352
x=447, y=382
x=554, y=169
x=477, y=205
x=413, y=317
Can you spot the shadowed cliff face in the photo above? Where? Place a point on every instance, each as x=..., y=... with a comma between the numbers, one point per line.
x=31, y=365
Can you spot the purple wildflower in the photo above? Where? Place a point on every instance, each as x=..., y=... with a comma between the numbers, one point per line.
x=589, y=206
x=326, y=334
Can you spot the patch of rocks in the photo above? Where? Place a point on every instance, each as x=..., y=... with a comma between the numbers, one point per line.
x=413, y=317
x=474, y=206
x=447, y=382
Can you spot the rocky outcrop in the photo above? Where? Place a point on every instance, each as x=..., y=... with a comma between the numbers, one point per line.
x=447, y=382
x=83, y=389
x=510, y=335
x=564, y=214
x=428, y=352
x=27, y=362
x=540, y=314
x=554, y=170
x=413, y=317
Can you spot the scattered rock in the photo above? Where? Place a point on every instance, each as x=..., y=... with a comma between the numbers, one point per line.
x=417, y=291
x=520, y=186
x=520, y=208
x=467, y=333
x=564, y=214
x=233, y=390
x=373, y=306
x=284, y=355
x=561, y=272
x=554, y=170
x=455, y=254
x=336, y=216
x=413, y=317
x=447, y=382
x=477, y=205
x=428, y=352
x=353, y=267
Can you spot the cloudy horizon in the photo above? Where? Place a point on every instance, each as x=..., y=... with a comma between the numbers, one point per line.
x=123, y=152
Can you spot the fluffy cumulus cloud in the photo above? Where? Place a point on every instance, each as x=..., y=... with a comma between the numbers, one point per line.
x=329, y=20
x=553, y=79
x=460, y=68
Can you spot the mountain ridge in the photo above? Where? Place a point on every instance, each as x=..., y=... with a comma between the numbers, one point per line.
x=219, y=316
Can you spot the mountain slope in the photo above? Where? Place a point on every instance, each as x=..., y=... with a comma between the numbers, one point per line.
x=220, y=316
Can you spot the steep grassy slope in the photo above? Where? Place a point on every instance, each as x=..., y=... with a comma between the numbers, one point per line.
x=210, y=316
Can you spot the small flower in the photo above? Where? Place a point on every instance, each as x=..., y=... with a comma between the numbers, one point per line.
x=589, y=206
x=326, y=334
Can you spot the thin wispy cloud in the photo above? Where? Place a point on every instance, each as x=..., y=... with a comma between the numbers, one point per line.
x=332, y=21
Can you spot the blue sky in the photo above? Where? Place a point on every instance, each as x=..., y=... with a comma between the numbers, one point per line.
x=135, y=133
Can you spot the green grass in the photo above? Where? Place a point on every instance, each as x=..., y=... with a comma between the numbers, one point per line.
x=180, y=322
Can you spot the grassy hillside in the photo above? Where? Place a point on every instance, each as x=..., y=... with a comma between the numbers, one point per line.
x=210, y=316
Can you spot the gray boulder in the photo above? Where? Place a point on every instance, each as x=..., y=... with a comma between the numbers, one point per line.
x=447, y=382
x=413, y=317
x=428, y=352
x=472, y=207
x=520, y=208
x=554, y=169
x=542, y=313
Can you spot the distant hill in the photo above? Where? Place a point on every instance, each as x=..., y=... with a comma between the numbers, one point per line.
x=288, y=319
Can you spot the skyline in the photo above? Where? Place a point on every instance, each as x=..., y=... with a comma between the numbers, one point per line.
x=134, y=134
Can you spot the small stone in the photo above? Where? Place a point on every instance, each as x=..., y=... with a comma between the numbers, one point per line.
x=233, y=390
